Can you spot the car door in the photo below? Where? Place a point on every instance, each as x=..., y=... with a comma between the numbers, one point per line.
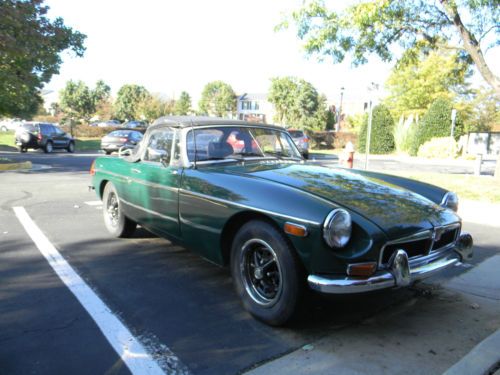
x=59, y=137
x=156, y=180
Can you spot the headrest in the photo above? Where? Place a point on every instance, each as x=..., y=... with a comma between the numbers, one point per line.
x=219, y=150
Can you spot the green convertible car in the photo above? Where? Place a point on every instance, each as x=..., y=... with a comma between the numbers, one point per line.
x=240, y=194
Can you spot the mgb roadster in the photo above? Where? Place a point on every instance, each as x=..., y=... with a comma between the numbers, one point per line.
x=240, y=194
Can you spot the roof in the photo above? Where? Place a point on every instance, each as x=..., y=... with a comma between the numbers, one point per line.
x=253, y=96
x=189, y=121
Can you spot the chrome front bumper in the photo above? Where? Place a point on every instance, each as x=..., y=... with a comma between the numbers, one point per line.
x=401, y=272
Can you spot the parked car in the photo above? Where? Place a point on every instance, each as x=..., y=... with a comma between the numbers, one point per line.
x=284, y=227
x=46, y=136
x=109, y=123
x=135, y=124
x=301, y=140
x=117, y=139
x=10, y=124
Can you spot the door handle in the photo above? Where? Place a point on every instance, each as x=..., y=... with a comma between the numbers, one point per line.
x=135, y=170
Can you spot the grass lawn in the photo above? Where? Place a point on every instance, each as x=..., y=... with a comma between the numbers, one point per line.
x=479, y=188
x=88, y=144
x=7, y=140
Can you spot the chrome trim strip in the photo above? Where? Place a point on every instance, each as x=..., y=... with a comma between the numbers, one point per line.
x=220, y=200
x=381, y=280
x=175, y=220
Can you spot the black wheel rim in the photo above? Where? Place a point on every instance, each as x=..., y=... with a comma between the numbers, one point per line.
x=112, y=209
x=261, y=272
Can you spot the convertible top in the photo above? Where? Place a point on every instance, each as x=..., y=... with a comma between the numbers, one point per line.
x=190, y=121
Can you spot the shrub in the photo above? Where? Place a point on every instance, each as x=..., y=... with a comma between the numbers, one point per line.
x=382, y=138
x=404, y=132
x=440, y=148
x=436, y=123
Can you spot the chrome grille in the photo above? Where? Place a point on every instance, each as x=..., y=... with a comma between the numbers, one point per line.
x=422, y=243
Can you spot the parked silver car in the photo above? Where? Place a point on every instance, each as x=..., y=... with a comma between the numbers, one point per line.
x=301, y=140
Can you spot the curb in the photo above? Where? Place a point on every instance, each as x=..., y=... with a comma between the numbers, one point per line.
x=15, y=166
x=482, y=359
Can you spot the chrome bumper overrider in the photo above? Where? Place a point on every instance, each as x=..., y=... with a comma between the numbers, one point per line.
x=401, y=271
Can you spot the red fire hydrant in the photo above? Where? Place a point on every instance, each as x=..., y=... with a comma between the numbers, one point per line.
x=349, y=153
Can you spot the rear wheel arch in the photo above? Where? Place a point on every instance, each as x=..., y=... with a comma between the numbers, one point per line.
x=101, y=188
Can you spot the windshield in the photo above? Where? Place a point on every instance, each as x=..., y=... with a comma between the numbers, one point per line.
x=226, y=143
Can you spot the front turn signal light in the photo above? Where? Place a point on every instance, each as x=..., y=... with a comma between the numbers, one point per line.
x=362, y=269
x=295, y=229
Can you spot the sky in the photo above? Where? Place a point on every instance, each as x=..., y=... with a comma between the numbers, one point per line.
x=173, y=46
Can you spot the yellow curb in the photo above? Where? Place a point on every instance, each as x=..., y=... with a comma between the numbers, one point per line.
x=14, y=166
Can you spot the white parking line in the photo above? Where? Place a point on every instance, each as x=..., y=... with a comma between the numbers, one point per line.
x=130, y=350
x=93, y=203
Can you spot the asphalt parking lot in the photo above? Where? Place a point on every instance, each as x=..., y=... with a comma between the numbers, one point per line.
x=183, y=310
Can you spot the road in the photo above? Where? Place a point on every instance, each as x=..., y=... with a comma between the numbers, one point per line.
x=183, y=310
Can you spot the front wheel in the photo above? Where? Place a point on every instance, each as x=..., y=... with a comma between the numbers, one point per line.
x=116, y=222
x=267, y=273
x=71, y=147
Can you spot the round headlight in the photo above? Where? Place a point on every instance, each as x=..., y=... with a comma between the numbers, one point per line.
x=337, y=228
x=450, y=200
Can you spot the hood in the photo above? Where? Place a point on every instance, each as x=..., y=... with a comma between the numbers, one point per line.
x=395, y=210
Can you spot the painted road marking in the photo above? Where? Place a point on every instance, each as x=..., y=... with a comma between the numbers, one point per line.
x=93, y=203
x=128, y=348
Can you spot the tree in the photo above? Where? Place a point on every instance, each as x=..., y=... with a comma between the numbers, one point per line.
x=128, y=100
x=217, y=98
x=374, y=27
x=30, y=47
x=76, y=101
x=183, y=105
x=412, y=87
x=101, y=92
x=154, y=107
x=381, y=137
x=436, y=123
x=297, y=103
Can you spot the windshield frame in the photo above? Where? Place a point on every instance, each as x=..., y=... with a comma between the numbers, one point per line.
x=186, y=132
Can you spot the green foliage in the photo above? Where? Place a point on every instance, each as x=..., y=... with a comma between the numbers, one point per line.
x=76, y=100
x=297, y=103
x=217, y=99
x=404, y=133
x=30, y=45
x=128, y=100
x=481, y=111
x=436, y=123
x=439, y=148
x=154, y=107
x=356, y=122
x=374, y=27
x=382, y=138
x=413, y=86
x=183, y=104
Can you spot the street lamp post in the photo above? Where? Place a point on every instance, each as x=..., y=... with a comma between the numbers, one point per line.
x=340, y=107
x=373, y=87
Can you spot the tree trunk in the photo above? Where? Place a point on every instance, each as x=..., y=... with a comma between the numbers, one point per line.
x=472, y=46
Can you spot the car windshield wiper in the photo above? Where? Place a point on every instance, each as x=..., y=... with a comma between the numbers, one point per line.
x=280, y=155
x=244, y=154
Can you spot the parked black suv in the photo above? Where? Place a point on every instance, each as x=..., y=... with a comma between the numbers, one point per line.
x=43, y=135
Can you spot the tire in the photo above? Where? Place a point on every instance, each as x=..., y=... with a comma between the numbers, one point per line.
x=22, y=149
x=116, y=222
x=273, y=292
x=49, y=147
x=71, y=147
x=107, y=152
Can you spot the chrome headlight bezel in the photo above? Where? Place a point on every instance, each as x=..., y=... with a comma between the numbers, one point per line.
x=337, y=228
x=450, y=200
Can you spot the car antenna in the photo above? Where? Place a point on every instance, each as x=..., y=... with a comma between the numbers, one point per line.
x=194, y=141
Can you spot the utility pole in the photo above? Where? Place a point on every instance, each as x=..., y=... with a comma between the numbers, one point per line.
x=340, y=107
